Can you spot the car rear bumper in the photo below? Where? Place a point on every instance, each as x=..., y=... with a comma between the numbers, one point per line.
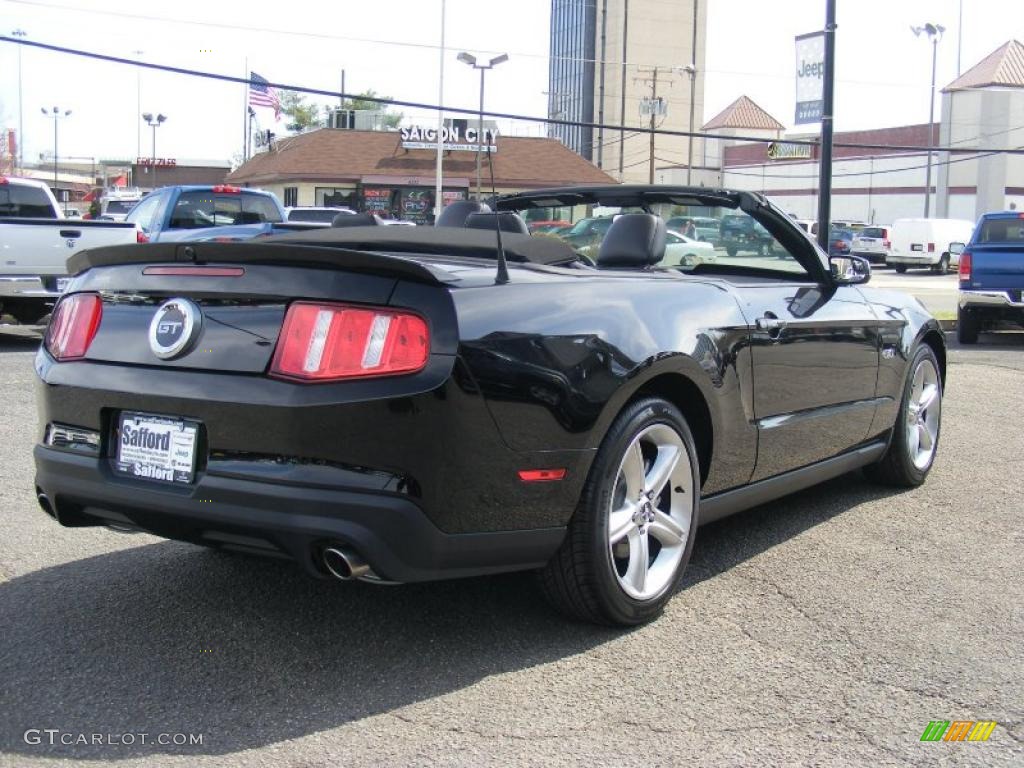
x=1002, y=299
x=26, y=287
x=913, y=261
x=388, y=530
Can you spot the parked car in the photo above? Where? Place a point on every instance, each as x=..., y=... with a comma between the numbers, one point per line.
x=707, y=228
x=316, y=214
x=416, y=404
x=925, y=243
x=684, y=251
x=36, y=241
x=72, y=213
x=740, y=233
x=589, y=231
x=115, y=202
x=202, y=212
x=840, y=242
x=549, y=225
x=872, y=243
x=991, y=275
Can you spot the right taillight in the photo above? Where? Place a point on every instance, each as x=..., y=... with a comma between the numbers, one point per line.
x=964, y=270
x=73, y=326
x=326, y=342
x=141, y=237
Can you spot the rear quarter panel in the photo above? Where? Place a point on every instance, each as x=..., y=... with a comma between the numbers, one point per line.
x=558, y=360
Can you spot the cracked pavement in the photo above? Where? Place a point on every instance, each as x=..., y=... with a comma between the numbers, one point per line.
x=827, y=628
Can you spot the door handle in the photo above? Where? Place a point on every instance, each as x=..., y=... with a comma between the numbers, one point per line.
x=72, y=233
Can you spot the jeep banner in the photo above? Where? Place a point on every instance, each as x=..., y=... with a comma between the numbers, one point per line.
x=810, y=77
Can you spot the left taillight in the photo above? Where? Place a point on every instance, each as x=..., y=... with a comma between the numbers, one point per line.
x=141, y=237
x=327, y=342
x=73, y=326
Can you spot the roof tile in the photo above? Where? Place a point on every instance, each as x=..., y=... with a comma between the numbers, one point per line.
x=1004, y=66
x=336, y=154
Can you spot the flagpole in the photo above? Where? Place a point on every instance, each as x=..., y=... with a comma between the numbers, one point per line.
x=245, y=114
x=438, y=194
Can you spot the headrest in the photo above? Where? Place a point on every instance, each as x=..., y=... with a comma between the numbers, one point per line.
x=507, y=222
x=455, y=214
x=633, y=240
x=355, y=220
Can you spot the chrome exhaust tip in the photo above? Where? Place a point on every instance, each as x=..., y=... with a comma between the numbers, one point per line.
x=44, y=503
x=342, y=563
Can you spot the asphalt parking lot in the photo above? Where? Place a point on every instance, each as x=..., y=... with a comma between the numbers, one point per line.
x=827, y=628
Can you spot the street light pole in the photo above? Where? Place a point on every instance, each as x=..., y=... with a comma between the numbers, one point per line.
x=691, y=70
x=934, y=32
x=138, y=106
x=154, y=123
x=56, y=115
x=467, y=58
x=21, y=122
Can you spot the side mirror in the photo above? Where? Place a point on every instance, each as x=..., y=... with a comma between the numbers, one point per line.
x=849, y=270
x=957, y=248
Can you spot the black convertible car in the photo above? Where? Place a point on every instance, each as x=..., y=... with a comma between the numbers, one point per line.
x=403, y=404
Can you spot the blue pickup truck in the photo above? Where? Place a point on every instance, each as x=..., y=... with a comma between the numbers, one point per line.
x=992, y=275
x=218, y=212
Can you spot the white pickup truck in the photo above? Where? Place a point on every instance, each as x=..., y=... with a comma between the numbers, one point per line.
x=35, y=243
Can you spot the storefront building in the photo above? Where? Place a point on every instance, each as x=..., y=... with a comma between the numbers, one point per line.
x=391, y=173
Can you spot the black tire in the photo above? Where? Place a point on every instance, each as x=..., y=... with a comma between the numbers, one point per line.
x=900, y=268
x=581, y=579
x=730, y=250
x=943, y=266
x=968, y=325
x=897, y=467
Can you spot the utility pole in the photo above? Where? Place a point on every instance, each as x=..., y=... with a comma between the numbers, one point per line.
x=622, y=92
x=21, y=120
x=600, y=88
x=828, y=93
x=656, y=107
x=692, y=72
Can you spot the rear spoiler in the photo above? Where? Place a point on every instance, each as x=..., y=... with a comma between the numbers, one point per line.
x=254, y=252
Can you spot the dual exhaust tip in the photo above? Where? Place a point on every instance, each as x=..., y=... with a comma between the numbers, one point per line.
x=343, y=563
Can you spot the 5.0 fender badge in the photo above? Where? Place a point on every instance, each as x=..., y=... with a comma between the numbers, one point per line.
x=174, y=328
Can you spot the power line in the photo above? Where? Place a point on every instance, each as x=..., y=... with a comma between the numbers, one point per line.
x=475, y=110
x=421, y=46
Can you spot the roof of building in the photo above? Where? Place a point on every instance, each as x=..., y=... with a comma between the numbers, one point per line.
x=743, y=113
x=1003, y=67
x=346, y=155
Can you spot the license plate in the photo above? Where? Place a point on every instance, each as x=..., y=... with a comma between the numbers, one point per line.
x=156, y=448
x=916, y=247
x=62, y=284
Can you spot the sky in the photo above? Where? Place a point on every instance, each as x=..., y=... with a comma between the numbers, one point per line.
x=883, y=71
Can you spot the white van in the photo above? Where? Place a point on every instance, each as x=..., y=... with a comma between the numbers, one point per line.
x=925, y=243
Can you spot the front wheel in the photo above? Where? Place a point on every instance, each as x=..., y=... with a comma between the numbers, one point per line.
x=901, y=268
x=915, y=436
x=967, y=326
x=632, y=534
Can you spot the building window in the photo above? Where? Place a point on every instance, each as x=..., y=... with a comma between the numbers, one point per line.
x=335, y=196
x=291, y=197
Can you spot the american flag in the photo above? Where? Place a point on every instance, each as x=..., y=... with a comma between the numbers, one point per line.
x=261, y=94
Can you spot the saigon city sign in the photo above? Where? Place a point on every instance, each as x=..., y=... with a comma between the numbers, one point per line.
x=452, y=138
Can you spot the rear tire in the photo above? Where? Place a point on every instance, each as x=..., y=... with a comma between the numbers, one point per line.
x=631, y=536
x=901, y=268
x=968, y=326
x=730, y=250
x=915, y=438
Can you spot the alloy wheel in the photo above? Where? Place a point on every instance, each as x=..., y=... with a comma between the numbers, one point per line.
x=924, y=409
x=651, y=512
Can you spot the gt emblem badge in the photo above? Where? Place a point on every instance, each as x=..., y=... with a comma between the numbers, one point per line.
x=175, y=326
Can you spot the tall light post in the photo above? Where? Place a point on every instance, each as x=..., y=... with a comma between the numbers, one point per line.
x=138, y=106
x=57, y=116
x=21, y=122
x=691, y=70
x=934, y=32
x=154, y=123
x=469, y=59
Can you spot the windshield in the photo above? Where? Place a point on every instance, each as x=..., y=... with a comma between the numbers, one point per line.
x=199, y=208
x=119, y=206
x=31, y=202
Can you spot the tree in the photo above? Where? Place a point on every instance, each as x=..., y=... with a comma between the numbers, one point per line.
x=365, y=101
x=301, y=116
